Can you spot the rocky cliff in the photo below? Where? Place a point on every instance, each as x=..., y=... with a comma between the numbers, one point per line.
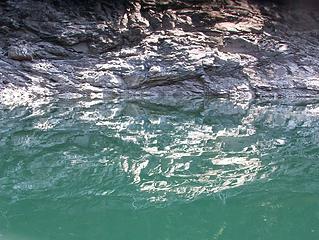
x=236, y=48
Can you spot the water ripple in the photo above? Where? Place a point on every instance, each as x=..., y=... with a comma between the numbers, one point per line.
x=136, y=153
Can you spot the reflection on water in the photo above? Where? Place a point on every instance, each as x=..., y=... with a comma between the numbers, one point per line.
x=77, y=155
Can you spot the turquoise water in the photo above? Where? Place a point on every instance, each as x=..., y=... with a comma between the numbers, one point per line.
x=180, y=169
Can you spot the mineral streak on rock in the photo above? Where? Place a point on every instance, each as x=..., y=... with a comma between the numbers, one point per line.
x=161, y=47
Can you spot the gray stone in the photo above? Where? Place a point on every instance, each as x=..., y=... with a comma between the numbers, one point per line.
x=239, y=49
x=20, y=53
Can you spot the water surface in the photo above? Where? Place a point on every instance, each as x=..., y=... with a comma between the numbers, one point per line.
x=184, y=169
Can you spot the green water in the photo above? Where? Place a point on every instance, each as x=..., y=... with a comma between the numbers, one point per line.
x=191, y=169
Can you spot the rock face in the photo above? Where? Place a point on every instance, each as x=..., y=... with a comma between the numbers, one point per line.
x=160, y=47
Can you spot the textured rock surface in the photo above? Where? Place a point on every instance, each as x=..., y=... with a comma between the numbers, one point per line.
x=158, y=48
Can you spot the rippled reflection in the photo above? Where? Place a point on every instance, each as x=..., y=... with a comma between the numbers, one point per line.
x=163, y=169
x=138, y=153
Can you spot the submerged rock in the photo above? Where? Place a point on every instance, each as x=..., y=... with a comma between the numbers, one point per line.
x=158, y=48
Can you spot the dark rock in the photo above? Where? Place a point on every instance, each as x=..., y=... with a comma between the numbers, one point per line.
x=241, y=49
x=20, y=53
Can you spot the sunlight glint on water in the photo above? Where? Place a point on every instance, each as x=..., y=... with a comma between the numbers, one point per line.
x=212, y=169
